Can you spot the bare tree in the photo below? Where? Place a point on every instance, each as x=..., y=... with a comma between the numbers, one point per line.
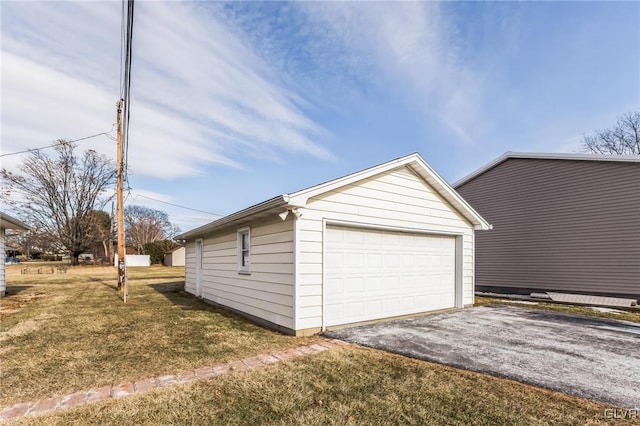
x=622, y=139
x=144, y=225
x=34, y=241
x=103, y=232
x=59, y=195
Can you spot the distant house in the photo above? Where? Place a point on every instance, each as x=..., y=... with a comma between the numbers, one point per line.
x=561, y=222
x=388, y=241
x=175, y=257
x=131, y=260
x=11, y=252
x=7, y=222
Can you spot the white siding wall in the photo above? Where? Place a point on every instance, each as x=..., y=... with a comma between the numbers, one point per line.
x=267, y=292
x=175, y=258
x=396, y=198
x=3, y=284
x=190, y=268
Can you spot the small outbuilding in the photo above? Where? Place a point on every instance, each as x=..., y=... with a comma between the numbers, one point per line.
x=7, y=222
x=175, y=257
x=566, y=223
x=389, y=241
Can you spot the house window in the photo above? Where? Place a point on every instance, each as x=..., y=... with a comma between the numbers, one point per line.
x=244, y=251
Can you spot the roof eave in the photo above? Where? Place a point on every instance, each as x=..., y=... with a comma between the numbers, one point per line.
x=452, y=197
x=300, y=198
x=276, y=202
x=13, y=222
x=417, y=163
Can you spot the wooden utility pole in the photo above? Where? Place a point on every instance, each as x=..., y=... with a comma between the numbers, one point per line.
x=122, y=253
x=110, y=252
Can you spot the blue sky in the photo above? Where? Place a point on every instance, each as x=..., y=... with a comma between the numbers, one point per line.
x=233, y=103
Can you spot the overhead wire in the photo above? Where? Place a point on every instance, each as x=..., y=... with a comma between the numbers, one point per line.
x=60, y=143
x=126, y=84
x=135, y=196
x=122, y=43
x=126, y=55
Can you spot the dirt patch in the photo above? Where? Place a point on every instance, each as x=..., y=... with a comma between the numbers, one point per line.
x=26, y=327
x=12, y=304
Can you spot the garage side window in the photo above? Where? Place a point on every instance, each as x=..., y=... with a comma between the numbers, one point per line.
x=244, y=251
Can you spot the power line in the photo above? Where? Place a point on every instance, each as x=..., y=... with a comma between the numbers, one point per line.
x=60, y=143
x=126, y=84
x=134, y=196
x=122, y=43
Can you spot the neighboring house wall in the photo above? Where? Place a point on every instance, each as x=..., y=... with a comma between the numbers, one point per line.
x=3, y=285
x=267, y=292
x=559, y=225
x=394, y=199
x=175, y=258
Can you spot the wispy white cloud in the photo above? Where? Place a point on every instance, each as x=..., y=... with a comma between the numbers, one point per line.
x=200, y=95
x=407, y=47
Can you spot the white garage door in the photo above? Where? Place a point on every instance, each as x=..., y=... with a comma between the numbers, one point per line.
x=371, y=274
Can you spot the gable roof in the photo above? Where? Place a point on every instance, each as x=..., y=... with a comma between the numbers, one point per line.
x=545, y=156
x=10, y=222
x=299, y=198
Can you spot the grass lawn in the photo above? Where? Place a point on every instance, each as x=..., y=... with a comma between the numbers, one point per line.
x=61, y=333
x=344, y=386
x=571, y=309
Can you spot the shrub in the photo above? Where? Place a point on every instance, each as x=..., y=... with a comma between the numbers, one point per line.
x=155, y=252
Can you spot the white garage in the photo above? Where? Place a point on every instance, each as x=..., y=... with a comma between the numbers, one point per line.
x=372, y=274
x=388, y=241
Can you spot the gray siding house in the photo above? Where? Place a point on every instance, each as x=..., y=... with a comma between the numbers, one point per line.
x=561, y=222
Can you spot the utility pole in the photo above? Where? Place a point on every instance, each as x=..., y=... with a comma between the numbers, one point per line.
x=112, y=224
x=122, y=271
x=123, y=139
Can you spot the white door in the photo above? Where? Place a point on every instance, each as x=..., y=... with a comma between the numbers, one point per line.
x=372, y=274
x=199, y=268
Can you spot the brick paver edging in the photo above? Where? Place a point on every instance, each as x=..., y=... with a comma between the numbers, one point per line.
x=110, y=392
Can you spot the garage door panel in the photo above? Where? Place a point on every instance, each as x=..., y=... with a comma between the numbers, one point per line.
x=371, y=274
x=355, y=308
x=335, y=259
x=374, y=284
x=334, y=310
x=354, y=285
x=374, y=239
x=374, y=261
x=421, y=260
x=374, y=307
x=406, y=282
x=392, y=261
x=334, y=287
x=391, y=305
x=391, y=240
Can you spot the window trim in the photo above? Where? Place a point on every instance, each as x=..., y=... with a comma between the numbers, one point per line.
x=244, y=269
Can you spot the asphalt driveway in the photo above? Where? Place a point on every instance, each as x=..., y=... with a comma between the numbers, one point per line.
x=592, y=358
